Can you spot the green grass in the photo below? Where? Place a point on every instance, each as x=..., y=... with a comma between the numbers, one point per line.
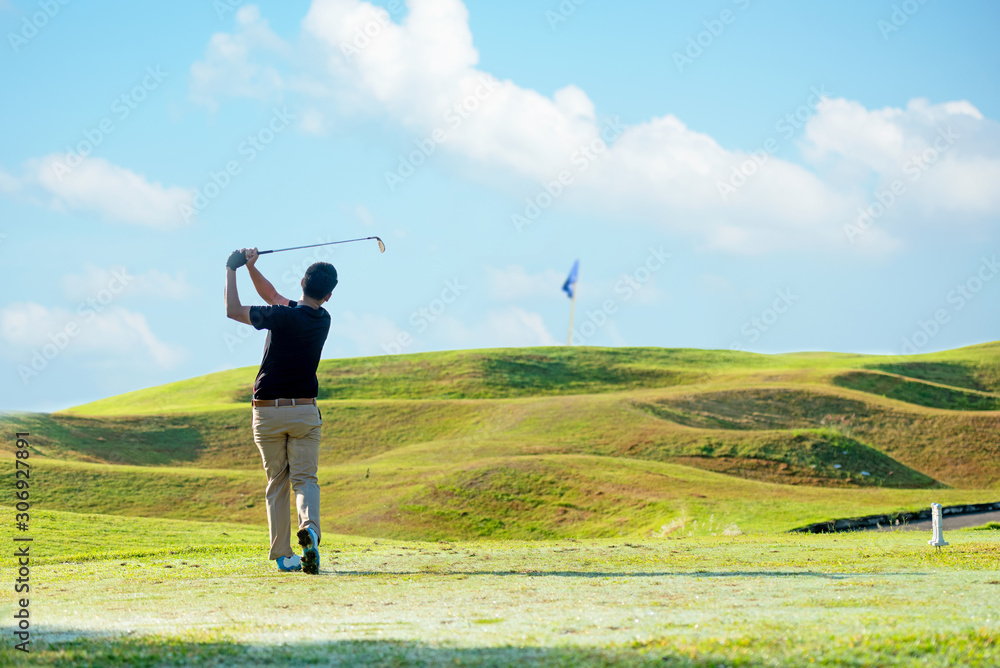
x=554, y=506
x=525, y=497
x=548, y=443
x=919, y=393
x=976, y=647
x=506, y=373
x=77, y=537
x=990, y=526
x=185, y=593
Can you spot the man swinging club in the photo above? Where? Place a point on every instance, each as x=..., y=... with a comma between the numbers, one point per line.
x=286, y=419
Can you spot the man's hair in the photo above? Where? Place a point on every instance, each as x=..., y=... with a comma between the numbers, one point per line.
x=321, y=279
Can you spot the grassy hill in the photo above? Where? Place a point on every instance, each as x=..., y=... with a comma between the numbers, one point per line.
x=555, y=442
x=533, y=372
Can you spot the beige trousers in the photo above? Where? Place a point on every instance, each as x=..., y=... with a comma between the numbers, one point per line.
x=288, y=440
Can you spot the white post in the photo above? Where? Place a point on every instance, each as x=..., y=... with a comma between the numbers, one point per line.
x=938, y=539
x=572, y=310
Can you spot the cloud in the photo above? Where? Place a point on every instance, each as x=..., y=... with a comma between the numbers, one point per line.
x=513, y=282
x=659, y=171
x=947, y=155
x=153, y=284
x=714, y=283
x=369, y=333
x=313, y=122
x=363, y=214
x=422, y=73
x=98, y=186
x=9, y=185
x=373, y=334
x=104, y=334
x=516, y=327
x=510, y=327
x=227, y=69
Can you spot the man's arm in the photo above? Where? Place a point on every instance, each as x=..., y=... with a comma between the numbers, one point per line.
x=234, y=309
x=264, y=287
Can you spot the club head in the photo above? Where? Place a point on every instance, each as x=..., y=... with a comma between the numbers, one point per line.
x=381, y=246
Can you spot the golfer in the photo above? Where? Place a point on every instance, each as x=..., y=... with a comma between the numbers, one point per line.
x=286, y=419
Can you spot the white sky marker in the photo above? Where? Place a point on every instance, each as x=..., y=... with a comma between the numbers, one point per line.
x=938, y=539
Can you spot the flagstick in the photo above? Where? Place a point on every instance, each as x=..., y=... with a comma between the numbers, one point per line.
x=572, y=309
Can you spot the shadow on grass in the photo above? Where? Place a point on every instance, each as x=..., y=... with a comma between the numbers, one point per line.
x=66, y=647
x=81, y=650
x=620, y=574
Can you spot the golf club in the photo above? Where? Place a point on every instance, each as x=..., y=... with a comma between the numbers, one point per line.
x=381, y=246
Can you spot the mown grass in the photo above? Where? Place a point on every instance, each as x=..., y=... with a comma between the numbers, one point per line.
x=155, y=598
x=76, y=545
x=74, y=537
x=530, y=496
x=969, y=648
x=545, y=506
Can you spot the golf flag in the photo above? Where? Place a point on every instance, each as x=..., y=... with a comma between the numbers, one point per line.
x=570, y=285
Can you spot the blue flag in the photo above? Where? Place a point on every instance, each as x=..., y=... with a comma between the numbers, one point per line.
x=570, y=285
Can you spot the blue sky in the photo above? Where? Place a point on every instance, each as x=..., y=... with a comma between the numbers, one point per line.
x=710, y=163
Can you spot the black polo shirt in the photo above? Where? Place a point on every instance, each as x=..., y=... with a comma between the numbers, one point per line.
x=291, y=353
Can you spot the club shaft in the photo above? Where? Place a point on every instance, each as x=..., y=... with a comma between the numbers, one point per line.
x=328, y=243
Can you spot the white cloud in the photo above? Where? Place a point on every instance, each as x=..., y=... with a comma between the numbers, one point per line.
x=368, y=332
x=104, y=333
x=153, y=284
x=947, y=155
x=98, y=186
x=659, y=172
x=363, y=214
x=516, y=327
x=513, y=282
x=714, y=283
x=512, y=327
x=227, y=69
x=371, y=334
x=9, y=184
x=313, y=122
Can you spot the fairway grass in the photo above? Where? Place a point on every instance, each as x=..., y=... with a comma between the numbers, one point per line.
x=550, y=506
x=845, y=599
x=526, y=497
